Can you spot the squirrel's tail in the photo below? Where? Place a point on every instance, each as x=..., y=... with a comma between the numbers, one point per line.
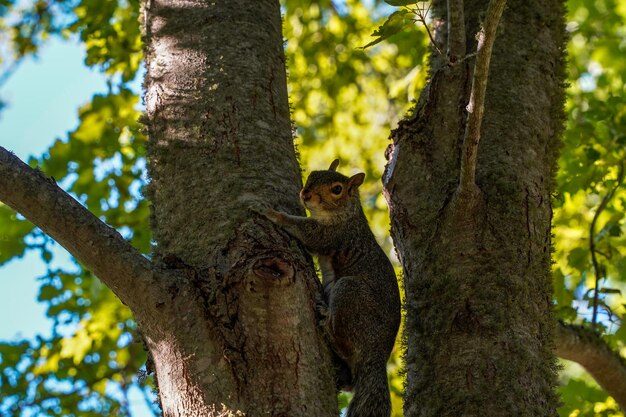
x=371, y=391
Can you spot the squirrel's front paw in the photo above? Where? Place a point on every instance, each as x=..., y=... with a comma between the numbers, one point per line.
x=270, y=214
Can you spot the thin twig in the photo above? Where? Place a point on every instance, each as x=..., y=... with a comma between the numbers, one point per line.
x=606, y=255
x=421, y=13
x=421, y=18
x=592, y=244
x=468, y=56
x=476, y=105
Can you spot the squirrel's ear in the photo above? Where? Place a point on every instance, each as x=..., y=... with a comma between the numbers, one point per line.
x=356, y=180
x=333, y=165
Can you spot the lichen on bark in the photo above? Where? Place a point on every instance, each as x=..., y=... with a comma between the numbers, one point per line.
x=477, y=269
x=239, y=327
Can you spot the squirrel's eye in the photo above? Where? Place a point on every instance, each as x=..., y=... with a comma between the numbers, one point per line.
x=336, y=189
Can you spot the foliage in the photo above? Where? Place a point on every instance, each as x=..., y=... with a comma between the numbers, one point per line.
x=93, y=355
x=593, y=154
x=581, y=396
x=345, y=99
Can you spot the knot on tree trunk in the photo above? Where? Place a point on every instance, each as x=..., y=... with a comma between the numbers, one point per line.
x=275, y=269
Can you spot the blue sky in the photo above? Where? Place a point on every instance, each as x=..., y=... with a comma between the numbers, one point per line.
x=42, y=97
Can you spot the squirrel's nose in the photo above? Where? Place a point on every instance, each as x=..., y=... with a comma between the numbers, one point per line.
x=305, y=195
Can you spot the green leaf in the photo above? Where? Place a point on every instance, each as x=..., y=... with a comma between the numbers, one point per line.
x=580, y=395
x=48, y=292
x=566, y=312
x=579, y=258
x=592, y=154
x=394, y=24
x=615, y=230
x=398, y=3
x=46, y=255
x=343, y=399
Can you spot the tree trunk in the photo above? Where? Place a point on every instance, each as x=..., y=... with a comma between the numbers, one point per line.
x=237, y=331
x=479, y=328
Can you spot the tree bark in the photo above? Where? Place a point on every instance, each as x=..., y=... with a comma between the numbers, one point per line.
x=585, y=347
x=238, y=333
x=226, y=307
x=227, y=304
x=479, y=329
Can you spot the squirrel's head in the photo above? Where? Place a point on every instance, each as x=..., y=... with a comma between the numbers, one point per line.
x=327, y=193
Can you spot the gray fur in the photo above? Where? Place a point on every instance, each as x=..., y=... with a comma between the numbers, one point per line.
x=361, y=306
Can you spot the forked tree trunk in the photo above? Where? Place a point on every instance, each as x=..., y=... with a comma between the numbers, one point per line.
x=479, y=327
x=236, y=331
x=226, y=305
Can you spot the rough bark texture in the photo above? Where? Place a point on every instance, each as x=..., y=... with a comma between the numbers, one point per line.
x=239, y=332
x=226, y=306
x=477, y=264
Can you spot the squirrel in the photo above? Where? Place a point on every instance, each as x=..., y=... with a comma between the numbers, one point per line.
x=360, y=306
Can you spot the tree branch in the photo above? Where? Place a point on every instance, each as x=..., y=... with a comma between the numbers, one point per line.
x=586, y=347
x=476, y=105
x=99, y=247
x=592, y=241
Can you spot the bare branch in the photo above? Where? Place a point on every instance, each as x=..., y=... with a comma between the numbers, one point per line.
x=421, y=14
x=592, y=241
x=99, y=247
x=585, y=347
x=476, y=106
